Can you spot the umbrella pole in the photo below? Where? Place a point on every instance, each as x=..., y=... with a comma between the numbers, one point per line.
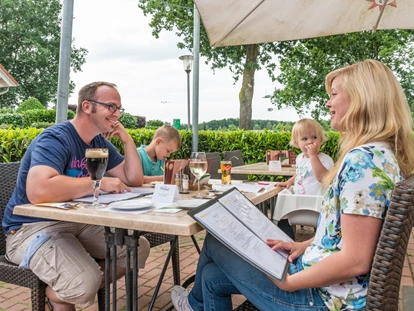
x=380, y=16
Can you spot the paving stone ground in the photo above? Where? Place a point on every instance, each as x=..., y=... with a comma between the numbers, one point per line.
x=15, y=298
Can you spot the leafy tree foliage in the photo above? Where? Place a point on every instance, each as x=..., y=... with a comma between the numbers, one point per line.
x=30, y=104
x=243, y=61
x=128, y=120
x=155, y=123
x=305, y=63
x=29, y=49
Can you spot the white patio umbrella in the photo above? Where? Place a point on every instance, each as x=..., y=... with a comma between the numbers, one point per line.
x=239, y=22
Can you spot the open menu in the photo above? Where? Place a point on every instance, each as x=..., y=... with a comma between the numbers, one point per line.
x=237, y=223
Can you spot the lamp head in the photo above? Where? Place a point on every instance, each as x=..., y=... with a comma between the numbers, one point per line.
x=188, y=62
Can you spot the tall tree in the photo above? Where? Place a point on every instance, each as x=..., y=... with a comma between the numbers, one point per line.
x=29, y=49
x=305, y=63
x=243, y=61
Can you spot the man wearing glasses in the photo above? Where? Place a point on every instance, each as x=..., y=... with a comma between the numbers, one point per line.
x=64, y=255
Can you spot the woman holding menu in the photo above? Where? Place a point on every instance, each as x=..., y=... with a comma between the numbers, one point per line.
x=330, y=271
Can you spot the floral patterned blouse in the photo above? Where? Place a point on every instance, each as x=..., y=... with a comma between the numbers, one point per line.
x=362, y=186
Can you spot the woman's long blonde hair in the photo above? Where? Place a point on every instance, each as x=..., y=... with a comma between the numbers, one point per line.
x=378, y=112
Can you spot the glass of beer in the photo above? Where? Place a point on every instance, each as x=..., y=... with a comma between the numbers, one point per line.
x=198, y=167
x=96, y=162
x=225, y=167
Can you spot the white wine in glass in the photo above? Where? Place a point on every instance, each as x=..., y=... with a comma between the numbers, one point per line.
x=198, y=167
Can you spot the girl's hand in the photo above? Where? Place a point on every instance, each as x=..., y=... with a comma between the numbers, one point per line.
x=286, y=184
x=312, y=150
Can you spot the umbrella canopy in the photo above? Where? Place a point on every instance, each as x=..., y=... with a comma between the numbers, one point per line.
x=239, y=22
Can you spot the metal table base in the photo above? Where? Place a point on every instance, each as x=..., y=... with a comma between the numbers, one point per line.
x=121, y=237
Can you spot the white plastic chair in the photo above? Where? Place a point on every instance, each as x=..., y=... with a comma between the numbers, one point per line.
x=299, y=209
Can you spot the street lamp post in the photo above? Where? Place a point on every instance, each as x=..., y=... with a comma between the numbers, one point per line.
x=188, y=65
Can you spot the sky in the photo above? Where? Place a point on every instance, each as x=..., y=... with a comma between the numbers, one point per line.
x=149, y=75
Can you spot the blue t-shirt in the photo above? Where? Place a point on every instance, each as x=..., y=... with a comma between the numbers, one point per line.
x=61, y=148
x=149, y=167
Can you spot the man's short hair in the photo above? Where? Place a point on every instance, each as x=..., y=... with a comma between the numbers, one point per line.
x=89, y=92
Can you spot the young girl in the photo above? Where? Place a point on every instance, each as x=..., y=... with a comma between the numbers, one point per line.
x=331, y=271
x=311, y=165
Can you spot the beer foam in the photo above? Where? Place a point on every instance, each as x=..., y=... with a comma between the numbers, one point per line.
x=96, y=153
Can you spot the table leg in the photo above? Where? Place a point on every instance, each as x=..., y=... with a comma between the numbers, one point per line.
x=164, y=269
x=196, y=244
x=109, y=241
x=132, y=244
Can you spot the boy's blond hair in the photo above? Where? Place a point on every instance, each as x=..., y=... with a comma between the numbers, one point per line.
x=168, y=133
x=306, y=126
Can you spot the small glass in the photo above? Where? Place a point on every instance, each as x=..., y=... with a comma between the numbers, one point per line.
x=198, y=167
x=225, y=167
x=96, y=162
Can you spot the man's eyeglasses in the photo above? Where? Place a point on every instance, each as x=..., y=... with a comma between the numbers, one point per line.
x=111, y=107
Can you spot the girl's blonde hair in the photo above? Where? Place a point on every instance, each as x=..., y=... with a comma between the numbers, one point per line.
x=306, y=127
x=378, y=112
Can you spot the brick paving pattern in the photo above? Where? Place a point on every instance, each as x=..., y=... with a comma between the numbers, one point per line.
x=15, y=298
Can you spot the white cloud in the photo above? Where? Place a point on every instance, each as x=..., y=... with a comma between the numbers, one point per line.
x=149, y=75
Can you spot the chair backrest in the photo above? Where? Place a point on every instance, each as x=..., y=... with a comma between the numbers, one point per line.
x=303, y=217
x=299, y=209
x=236, y=159
x=214, y=164
x=384, y=283
x=8, y=178
x=234, y=156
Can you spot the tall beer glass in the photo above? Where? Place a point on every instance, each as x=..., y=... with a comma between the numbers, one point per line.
x=96, y=162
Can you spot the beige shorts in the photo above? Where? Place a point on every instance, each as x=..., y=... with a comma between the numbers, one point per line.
x=66, y=262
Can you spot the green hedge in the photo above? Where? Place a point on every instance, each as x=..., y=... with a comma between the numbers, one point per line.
x=253, y=145
x=30, y=118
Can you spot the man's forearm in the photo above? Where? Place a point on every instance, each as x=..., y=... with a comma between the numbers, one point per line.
x=132, y=165
x=58, y=188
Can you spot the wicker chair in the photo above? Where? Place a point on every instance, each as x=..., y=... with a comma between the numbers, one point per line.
x=384, y=283
x=386, y=271
x=9, y=272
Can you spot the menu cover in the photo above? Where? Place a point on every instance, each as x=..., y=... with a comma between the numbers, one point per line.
x=237, y=223
x=173, y=167
x=182, y=166
x=286, y=157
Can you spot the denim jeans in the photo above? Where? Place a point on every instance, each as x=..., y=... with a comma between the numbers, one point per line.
x=221, y=273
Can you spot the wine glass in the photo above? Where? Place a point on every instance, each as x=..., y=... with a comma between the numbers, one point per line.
x=96, y=162
x=198, y=167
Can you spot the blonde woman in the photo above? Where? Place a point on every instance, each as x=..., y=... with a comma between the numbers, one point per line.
x=331, y=271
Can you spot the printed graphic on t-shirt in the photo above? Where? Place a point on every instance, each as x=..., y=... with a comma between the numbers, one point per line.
x=77, y=168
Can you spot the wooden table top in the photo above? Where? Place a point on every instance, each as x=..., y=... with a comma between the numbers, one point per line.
x=176, y=224
x=262, y=168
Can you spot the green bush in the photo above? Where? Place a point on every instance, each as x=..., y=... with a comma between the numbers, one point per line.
x=154, y=123
x=14, y=143
x=43, y=116
x=41, y=125
x=6, y=110
x=128, y=120
x=253, y=145
x=30, y=104
x=13, y=119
